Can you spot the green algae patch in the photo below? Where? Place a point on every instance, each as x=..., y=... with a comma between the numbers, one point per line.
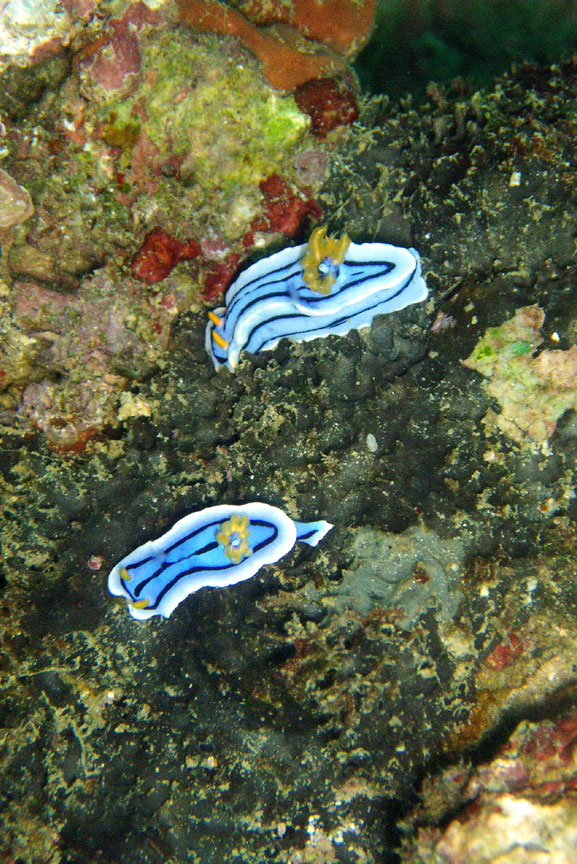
x=533, y=390
x=210, y=112
x=123, y=135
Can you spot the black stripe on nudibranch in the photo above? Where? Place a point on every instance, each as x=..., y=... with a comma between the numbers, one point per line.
x=162, y=558
x=208, y=548
x=207, y=525
x=279, y=276
x=333, y=322
x=254, y=301
x=350, y=282
x=141, y=563
x=326, y=278
x=201, y=567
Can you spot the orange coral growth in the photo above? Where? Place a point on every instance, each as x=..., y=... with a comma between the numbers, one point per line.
x=288, y=58
x=343, y=25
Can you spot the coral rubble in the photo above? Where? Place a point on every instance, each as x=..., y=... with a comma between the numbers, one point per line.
x=519, y=807
x=533, y=389
x=15, y=202
x=127, y=177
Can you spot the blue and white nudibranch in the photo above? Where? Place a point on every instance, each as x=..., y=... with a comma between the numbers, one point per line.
x=324, y=286
x=215, y=547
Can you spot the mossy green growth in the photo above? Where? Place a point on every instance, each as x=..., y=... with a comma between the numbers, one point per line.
x=120, y=135
x=510, y=340
x=521, y=348
x=209, y=109
x=482, y=351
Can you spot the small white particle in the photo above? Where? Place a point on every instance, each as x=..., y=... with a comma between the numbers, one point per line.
x=372, y=445
x=515, y=179
x=555, y=337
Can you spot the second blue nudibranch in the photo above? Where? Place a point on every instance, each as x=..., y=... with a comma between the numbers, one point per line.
x=215, y=547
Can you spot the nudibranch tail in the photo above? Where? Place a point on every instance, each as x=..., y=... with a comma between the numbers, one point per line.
x=215, y=547
x=328, y=286
x=312, y=532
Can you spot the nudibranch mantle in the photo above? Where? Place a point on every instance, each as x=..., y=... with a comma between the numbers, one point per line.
x=213, y=548
x=305, y=292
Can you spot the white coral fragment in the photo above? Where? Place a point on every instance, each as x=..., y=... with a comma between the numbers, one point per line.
x=15, y=202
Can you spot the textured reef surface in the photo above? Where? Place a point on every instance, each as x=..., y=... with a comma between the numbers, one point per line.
x=406, y=691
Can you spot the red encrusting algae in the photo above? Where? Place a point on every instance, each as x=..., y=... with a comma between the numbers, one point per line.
x=218, y=275
x=286, y=212
x=329, y=102
x=159, y=254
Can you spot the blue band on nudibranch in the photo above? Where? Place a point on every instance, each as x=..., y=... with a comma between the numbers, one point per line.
x=305, y=292
x=215, y=547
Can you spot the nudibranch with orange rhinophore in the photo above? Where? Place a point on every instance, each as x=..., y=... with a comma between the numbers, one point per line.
x=326, y=286
x=216, y=547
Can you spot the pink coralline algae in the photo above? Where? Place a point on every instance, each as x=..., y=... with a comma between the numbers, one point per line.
x=311, y=166
x=443, y=322
x=84, y=348
x=213, y=245
x=113, y=61
x=534, y=390
x=15, y=202
x=94, y=562
x=79, y=8
x=117, y=60
x=70, y=424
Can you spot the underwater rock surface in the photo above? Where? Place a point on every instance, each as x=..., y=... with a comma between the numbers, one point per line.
x=520, y=806
x=294, y=716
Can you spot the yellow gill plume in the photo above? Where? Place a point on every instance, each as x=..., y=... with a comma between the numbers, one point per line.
x=320, y=249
